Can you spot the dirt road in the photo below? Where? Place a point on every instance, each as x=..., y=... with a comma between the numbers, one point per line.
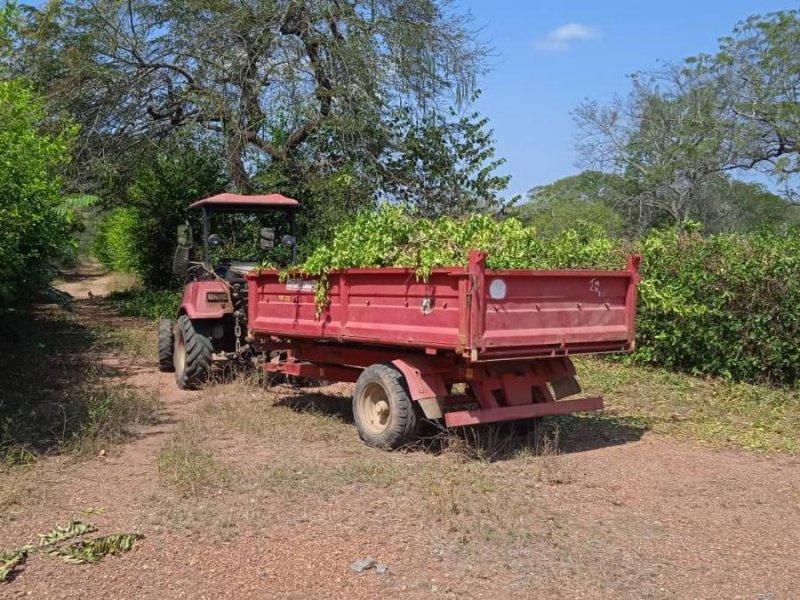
x=282, y=498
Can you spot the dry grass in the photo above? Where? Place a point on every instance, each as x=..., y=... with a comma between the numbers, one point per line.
x=280, y=411
x=304, y=452
x=136, y=342
x=122, y=282
x=108, y=414
x=78, y=404
x=187, y=461
x=713, y=411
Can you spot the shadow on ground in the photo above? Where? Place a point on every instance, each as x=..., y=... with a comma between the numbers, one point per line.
x=49, y=389
x=339, y=407
x=498, y=441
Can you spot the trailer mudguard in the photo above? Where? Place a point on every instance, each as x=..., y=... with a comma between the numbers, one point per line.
x=425, y=386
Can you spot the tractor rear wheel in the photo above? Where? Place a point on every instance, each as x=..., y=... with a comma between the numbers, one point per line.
x=166, y=346
x=384, y=413
x=192, y=356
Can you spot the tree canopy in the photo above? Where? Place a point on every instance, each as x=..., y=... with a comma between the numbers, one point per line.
x=297, y=83
x=685, y=132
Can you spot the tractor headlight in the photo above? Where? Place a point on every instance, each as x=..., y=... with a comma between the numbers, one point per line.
x=217, y=296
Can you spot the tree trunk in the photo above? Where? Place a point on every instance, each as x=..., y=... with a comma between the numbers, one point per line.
x=239, y=175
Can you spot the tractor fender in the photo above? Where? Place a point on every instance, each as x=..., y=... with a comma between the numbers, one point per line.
x=196, y=305
x=425, y=386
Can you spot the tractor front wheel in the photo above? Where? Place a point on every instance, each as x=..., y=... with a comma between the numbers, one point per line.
x=192, y=355
x=166, y=346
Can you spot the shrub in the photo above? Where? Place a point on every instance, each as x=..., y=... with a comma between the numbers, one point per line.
x=140, y=236
x=150, y=304
x=115, y=241
x=35, y=230
x=726, y=304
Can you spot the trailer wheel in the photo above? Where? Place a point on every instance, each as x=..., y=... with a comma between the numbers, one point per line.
x=384, y=412
x=166, y=346
x=192, y=357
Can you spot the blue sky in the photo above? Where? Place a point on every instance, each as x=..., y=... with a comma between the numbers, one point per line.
x=551, y=56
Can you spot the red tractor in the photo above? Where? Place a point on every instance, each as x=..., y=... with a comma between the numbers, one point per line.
x=212, y=318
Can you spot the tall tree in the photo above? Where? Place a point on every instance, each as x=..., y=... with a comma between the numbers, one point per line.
x=756, y=73
x=35, y=229
x=274, y=80
x=444, y=164
x=666, y=143
x=590, y=196
x=683, y=129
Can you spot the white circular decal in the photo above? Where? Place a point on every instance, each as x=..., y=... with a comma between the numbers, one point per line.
x=497, y=289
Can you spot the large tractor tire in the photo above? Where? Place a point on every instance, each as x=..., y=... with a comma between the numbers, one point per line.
x=166, y=346
x=384, y=413
x=193, y=355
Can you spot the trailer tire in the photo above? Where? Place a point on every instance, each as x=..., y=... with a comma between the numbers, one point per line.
x=166, y=346
x=192, y=355
x=384, y=413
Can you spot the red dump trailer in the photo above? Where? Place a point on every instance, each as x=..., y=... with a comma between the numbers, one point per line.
x=505, y=335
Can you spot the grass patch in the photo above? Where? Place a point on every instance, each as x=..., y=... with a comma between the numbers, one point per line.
x=107, y=415
x=136, y=342
x=189, y=464
x=58, y=397
x=296, y=418
x=755, y=417
x=142, y=302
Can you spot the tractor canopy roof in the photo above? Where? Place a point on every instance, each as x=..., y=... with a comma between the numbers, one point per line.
x=240, y=202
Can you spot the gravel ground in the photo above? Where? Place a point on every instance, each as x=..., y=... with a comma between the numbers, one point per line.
x=644, y=518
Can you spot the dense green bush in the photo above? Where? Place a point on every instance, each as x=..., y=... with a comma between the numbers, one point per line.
x=34, y=228
x=115, y=241
x=726, y=304
x=150, y=304
x=140, y=236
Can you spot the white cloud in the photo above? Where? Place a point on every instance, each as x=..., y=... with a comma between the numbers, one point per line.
x=560, y=38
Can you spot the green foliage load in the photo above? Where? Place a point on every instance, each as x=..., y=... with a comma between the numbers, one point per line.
x=35, y=228
x=394, y=236
x=726, y=304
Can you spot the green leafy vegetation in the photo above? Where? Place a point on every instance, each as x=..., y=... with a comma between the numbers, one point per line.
x=395, y=236
x=139, y=236
x=83, y=551
x=723, y=304
x=143, y=302
x=36, y=229
x=114, y=243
